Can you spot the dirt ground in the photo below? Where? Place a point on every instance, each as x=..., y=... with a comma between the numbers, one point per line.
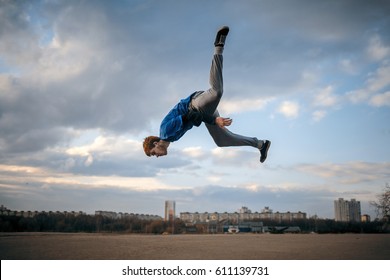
x=61, y=246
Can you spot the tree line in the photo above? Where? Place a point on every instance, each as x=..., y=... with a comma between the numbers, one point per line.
x=57, y=222
x=45, y=222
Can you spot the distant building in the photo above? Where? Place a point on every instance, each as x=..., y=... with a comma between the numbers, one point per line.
x=243, y=214
x=30, y=214
x=4, y=211
x=170, y=208
x=255, y=227
x=347, y=211
x=120, y=215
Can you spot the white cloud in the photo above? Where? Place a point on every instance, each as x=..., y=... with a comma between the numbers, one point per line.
x=214, y=179
x=21, y=169
x=373, y=85
x=106, y=145
x=289, y=109
x=61, y=61
x=358, y=96
x=348, y=66
x=243, y=105
x=318, y=115
x=325, y=98
x=349, y=173
x=380, y=79
x=225, y=153
x=19, y=175
x=376, y=50
x=380, y=100
x=194, y=152
x=5, y=85
x=88, y=161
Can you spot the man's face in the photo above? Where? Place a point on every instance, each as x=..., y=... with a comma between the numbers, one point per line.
x=158, y=150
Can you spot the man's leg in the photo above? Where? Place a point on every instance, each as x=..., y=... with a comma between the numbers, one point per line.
x=208, y=101
x=225, y=138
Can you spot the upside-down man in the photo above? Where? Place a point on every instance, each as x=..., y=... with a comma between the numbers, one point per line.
x=201, y=106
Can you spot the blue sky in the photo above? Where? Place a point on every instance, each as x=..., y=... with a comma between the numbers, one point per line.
x=83, y=82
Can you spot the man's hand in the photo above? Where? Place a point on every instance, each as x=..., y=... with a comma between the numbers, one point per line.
x=222, y=122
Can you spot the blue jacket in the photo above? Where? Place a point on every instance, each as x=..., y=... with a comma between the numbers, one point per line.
x=172, y=127
x=181, y=119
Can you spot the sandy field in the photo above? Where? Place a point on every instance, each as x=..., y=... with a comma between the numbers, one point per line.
x=61, y=246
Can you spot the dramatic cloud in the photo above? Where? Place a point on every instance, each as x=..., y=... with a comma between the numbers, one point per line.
x=82, y=83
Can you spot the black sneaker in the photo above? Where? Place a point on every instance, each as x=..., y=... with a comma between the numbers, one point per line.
x=221, y=36
x=264, y=150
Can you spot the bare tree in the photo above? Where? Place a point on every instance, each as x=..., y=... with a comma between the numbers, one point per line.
x=382, y=206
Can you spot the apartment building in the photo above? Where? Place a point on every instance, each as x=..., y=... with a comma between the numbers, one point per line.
x=347, y=211
x=243, y=214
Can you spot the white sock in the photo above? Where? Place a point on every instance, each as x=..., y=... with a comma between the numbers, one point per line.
x=218, y=50
x=260, y=144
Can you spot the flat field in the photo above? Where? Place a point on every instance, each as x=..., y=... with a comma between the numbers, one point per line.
x=85, y=246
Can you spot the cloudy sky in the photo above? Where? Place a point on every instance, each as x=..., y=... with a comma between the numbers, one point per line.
x=83, y=82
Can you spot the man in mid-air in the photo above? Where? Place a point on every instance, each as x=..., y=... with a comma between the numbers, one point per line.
x=201, y=106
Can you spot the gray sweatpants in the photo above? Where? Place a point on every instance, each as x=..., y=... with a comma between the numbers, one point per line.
x=207, y=102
